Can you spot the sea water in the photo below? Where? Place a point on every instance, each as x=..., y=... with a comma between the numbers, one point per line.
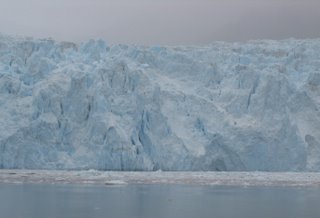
x=155, y=201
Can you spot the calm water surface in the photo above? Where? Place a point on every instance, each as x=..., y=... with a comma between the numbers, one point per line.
x=155, y=201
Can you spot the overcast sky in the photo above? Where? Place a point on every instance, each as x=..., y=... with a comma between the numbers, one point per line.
x=161, y=21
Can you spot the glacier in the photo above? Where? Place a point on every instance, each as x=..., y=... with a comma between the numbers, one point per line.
x=251, y=106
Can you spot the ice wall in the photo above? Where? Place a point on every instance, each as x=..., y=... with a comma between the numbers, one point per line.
x=250, y=106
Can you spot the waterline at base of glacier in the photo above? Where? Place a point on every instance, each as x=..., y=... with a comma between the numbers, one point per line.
x=190, y=178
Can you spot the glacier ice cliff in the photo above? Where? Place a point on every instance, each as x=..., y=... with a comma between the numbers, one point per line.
x=225, y=106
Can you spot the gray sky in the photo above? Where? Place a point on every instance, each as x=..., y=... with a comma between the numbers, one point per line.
x=161, y=21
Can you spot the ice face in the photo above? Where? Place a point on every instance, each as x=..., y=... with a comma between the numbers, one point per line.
x=249, y=106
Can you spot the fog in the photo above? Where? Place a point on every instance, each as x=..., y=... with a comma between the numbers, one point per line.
x=161, y=22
